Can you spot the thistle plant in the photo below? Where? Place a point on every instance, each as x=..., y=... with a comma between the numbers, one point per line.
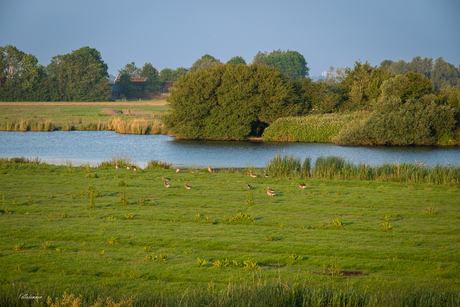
x=200, y=262
x=20, y=246
x=250, y=265
x=338, y=223
x=221, y=264
x=249, y=199
x=294, y=259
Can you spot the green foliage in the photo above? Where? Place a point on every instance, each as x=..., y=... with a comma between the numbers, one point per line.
x=321, y=128
x=249, y=199
x=229, y=102
x=401, y=124
x=157, y=164
x=408, y=86
x=444, y=74
x=205, y=62
x=236, y=61
x=131, y=70
x=290, y=63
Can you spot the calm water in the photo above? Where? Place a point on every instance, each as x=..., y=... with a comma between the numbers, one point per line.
x=81, y=147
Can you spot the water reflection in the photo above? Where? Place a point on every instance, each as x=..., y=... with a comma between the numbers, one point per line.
x=92, y=147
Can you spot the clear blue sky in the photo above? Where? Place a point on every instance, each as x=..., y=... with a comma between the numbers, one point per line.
x=176, y=33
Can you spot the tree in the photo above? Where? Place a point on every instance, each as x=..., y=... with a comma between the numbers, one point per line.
x=399, y=67
x=361, y=85
x=236, y=60
x=166, y=74
x=148, y=71
x=80, y=76
x=408, y=86
x=124, y=84
x=229, y=102
x=444, y=74
x=130, y=69
x=421, y=66
x=179, y=72
x=386, y=63
x=290, y=63
x=21, y=78
x=206, y=61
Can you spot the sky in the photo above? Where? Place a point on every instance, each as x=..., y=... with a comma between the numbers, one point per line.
x=175, y=33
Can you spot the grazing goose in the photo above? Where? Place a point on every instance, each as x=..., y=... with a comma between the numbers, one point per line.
x=268, y=189
x=134, y=169
x=164, y=178
x=187, y=186
x=117, y=167
x=250, y=187
x=448, y=164
x=265, y=174
x=419, y=163
x=167, y=185
x=303, y=185
x=209, y=169
x=270, y=192
x=177, y=170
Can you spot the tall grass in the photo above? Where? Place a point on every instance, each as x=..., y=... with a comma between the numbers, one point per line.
x=259, y=293
x=122, y=160
x=157, y=164
x=137, y=126
x=333, y=167
x=319, y=128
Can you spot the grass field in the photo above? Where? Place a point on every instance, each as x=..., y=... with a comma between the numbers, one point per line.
x=78, y=114
x=104, y=232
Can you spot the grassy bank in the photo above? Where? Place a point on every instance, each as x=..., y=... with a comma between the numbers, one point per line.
x=121, y=116
x=320, y=128
x=103, y=232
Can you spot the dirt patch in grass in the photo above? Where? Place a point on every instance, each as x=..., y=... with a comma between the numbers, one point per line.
x=111, y=111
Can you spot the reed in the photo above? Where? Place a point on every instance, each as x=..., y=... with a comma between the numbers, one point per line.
x=337, y=168
x=157, y=164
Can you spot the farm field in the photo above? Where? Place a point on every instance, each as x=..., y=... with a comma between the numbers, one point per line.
x=122, y=234
x=61, y=114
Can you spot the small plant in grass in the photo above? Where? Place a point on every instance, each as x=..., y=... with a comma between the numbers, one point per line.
x=271, y=238
x=198, y=216
x=432, y=210
x=333, y=270
x=338, y=223
x=141, y=201
x=294, y=259
x=221, y=264
x=249, y=199
x=234, y=264
x=111, y=217
x=200, y=262
x=386, y=226
x=60, y=250
x=123, y=198
x=129, y=216
x=46, y=245
x=113, y=240
x=50, y=219
x=92, y=202
x=5, y=211
x=240, y=217
x=210, y=220
x=93, y=192
x=64, y=215
x=20, y=246
x=148, y=249
x=121, y=183
x=150, y=257
x=250, y=265
x=162, y=258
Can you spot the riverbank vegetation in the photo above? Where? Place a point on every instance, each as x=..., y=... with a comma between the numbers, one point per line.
x=84, y=234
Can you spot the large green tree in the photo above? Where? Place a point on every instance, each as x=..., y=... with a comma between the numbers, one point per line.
x=131, y=69
x=80, y=76
x=205, y=62
x=229, y=102
x=444, y=74
x=236, y=60
x=21, y=77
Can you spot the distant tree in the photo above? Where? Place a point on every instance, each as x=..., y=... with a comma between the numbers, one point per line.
x=166, y=74
x=130, y=69
x=148, y=71
x=236, y=60
x=361, y=85
x=290, y=63
x=80, y=76
x=153, y=79
x=386, y=63
x=317, y=97
x=206, y=61
x=444, y=74
x=21, y=78
x=399, y=67
x=179, y=72
x=124, y=84
x=421, y=66
x=408, y=86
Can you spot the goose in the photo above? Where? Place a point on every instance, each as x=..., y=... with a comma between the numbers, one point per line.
x=167, y=185
x=177, y=170
x=252, y=175
x=128, y=168
x=187, y=186
x=117, y=167
x=303, y=185
x=134, y=169
x=270, y=192
x=250, y=187
x=209, y=169
x=265, y=174
x=448, y=164
x=164, y=178
x=419, y=163
x=268, y=189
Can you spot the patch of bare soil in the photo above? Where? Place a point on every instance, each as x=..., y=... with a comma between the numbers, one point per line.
x=111, y=111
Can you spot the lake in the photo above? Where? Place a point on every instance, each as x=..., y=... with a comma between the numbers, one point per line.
x=93, y=147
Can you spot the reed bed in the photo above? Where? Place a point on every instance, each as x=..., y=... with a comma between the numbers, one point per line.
x=337, y=168
x=157, y=164
x=137, y=126
x=321, y=128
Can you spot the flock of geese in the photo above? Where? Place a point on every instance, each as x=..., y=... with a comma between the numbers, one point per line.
x=270, y=192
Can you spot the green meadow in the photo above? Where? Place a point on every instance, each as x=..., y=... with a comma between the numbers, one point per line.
x=85, y=236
